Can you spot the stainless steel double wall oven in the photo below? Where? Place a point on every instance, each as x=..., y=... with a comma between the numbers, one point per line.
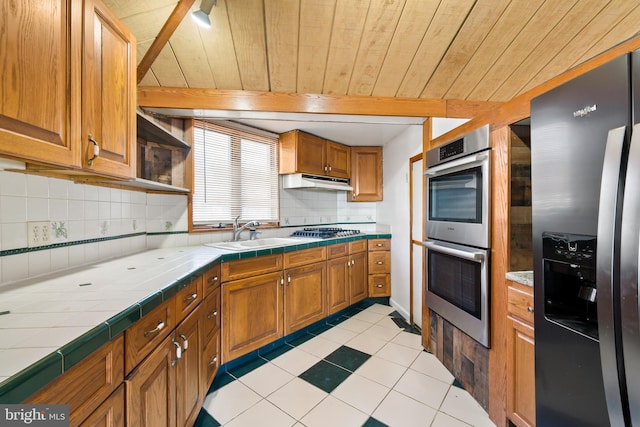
x=458, y=232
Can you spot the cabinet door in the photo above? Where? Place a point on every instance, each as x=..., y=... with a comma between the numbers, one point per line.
x=40, y=84
x=366, y=174
x=108, y=93
x=110, y=413
x=521, y=407
x=337, y=284
x=358, y=286
x=311, y=154
x=305, y=296
x=251, y=314
x=189, y=376
x=338, y=160
x=151, y=389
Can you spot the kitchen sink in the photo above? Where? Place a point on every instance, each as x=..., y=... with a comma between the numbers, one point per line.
x=247, y=245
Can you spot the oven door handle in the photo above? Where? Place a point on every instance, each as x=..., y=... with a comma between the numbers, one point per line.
x=458, y=164
x=476, y=256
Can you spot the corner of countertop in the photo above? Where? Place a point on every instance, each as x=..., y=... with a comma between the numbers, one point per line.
x=522, y=277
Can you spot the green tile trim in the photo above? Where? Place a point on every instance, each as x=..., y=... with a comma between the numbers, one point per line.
x=162, y=233
x=149, y=303
x=28, y=381
x=121, y=321
x=19, y=251
x=83, y=346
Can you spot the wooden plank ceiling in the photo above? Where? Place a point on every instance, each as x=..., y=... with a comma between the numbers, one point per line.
x=474, y=50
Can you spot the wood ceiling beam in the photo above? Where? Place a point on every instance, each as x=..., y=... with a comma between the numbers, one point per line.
x=169, y=27
x=237, y=100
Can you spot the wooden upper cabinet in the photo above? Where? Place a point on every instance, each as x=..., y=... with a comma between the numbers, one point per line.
x=301, y=152
x=40, y=81
x=108, y=93
x=338, y=160
x=366, y=174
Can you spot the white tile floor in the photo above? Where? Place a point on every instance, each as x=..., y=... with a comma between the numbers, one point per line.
x=399, y=385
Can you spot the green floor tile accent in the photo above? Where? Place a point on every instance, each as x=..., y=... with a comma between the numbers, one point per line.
x=248, y=367
x=205, y=420
x=372, y=422
x=348, y=358
x=325, y=376
x=278, y=351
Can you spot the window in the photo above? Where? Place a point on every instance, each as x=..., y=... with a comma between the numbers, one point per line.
x=235, y=174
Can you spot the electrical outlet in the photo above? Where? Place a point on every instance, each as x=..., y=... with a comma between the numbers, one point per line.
x=39, y=233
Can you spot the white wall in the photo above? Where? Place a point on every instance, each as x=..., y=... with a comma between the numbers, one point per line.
x=394, y=210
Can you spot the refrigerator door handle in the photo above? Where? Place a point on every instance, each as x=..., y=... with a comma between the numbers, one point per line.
x=629, y=275
x=605, y=268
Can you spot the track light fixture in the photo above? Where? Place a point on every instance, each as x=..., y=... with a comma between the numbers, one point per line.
x=201, y=16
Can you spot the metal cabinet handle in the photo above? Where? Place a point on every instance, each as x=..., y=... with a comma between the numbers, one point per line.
x=212, y=280
x=178, y=352
x=353, y=261
x=213, y=314
x=379, y=286
x=190, y=297
x=379, y=262
x=281, y=281
x=213, y=360
x=185, y=344
x=530, y=309
x=288, y=279
x=329, y=168
x=96, y=149
x=155, y=330
x=379, y=245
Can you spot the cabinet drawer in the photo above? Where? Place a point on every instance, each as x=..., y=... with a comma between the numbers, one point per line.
x=305, y=256
x=188, y=298
x=145, y=335
x=357, y=246
x=379, y=245
x=379, y=285
x=249, y=267
x=520, y=301
x=211, y=279
x=337, y=251
x=85, y=386
x=211, y=312
x=379, y=262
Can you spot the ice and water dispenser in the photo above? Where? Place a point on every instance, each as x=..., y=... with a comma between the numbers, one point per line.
x=569, y=267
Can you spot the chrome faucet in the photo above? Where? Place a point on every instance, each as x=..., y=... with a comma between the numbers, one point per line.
x=237, y=230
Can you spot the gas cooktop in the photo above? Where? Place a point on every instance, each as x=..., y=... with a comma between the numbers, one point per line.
x=324, y=232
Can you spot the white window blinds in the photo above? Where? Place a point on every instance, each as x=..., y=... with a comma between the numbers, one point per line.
x=235, y=174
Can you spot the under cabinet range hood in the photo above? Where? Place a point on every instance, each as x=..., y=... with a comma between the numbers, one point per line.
x=314, y=182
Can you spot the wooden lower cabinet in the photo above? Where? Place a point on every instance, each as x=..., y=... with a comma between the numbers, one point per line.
x=110, y=414
x=337, y=284
x=358, y=286
x=521, y=405
x=251, y=314
x=88, y=385
x=379, y=266
x=167, y=388
x=305, y=296
x=151, y=389
x=189, y=379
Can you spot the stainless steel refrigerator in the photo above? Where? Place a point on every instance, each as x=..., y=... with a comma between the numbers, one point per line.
x=585, y=178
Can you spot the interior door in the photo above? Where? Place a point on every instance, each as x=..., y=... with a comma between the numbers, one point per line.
x=416, y=251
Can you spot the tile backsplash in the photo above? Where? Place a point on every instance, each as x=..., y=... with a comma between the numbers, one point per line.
x=88, y=224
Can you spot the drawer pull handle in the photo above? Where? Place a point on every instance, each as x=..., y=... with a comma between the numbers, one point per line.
x=379, y=286
x=288, y=279
x=379, y=262
x=96, y=150
x=213, y=314
x=155, y=330
x=178, y=352
x=379, y=245
x=214, y=360
x=212, y=279
x=530, y=309
x=353, y=261
x=185, y=344
x=190, y=297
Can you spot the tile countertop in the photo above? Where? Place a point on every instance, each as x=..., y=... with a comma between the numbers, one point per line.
x=50, y=323
x=523, y=277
